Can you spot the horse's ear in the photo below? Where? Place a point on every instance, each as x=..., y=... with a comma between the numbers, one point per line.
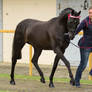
x=79, y=13
x=72, y=12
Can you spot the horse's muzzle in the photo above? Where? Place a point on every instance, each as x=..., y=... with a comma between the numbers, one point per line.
x=71, y=35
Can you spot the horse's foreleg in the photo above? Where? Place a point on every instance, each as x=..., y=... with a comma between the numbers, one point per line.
x=12, y=71
x=53, y=71
x=72, y=81
x=66, y=62
x=37, y=53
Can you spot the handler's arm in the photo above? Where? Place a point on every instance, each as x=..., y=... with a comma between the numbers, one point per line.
x=80, y=27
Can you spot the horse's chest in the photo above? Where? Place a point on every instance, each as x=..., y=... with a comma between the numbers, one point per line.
x=63, y=44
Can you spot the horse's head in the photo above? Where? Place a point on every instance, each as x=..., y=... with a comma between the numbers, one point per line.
x=72, y=23
x=72, y=19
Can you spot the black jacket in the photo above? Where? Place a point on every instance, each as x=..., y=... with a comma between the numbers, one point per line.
x=86, y=40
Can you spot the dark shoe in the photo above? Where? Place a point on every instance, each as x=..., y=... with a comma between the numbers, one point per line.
x=90, y=72
x=77, y=85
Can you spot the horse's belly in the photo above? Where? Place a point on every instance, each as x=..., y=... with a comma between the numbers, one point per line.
x=39, y=39
x=40, y=44
x=45, y=45
x=47, y=48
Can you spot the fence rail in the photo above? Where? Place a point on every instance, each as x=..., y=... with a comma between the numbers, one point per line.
x=7, y=31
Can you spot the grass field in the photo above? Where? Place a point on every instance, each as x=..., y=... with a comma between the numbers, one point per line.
x=37, y=78
x=26, y=83
x=65, y=80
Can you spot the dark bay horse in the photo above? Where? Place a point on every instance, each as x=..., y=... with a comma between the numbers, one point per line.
x=46, y=35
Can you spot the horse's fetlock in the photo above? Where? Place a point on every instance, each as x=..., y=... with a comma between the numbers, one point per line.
x=34, y=60
x=50, y=78
x=12, y=76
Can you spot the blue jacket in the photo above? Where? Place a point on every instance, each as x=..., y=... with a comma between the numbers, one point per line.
x=86, y=40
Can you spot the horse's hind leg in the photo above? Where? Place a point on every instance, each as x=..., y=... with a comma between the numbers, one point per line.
x=14, y=60
x=37, y=53
x=16, y=54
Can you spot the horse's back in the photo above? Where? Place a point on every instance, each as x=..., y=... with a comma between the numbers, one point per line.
x=37, y=34
x=33, y=32
x=25, y=27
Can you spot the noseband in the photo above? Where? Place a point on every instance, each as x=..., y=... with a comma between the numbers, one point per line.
x=70, y=16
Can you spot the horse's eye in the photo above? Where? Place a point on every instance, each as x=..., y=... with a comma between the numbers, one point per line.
x=75, y=21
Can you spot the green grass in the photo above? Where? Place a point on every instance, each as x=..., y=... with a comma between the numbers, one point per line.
x=4, y=91
x=65, y=80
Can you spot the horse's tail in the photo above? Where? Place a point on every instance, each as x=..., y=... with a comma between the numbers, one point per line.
x=18, y=42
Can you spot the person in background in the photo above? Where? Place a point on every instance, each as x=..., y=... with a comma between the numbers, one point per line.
x=85, y=44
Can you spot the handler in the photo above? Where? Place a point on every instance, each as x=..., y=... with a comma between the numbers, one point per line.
x=85, y=44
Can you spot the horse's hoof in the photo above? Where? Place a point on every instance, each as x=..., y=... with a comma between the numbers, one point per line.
x=72, y=82
x=42, y=80
x=12, y=82
x=51, y=85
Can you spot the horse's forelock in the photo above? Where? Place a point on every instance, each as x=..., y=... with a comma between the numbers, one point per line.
x=66, y=11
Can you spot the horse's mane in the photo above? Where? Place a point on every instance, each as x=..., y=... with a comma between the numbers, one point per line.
x=65, y=12
x=62, y=14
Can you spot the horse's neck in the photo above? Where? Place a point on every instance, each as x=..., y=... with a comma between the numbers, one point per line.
x=62, y=20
